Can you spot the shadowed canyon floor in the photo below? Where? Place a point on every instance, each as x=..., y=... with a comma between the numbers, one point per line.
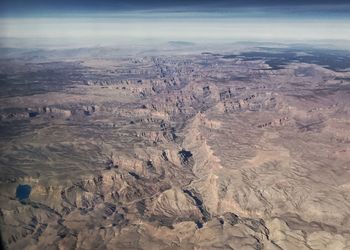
x=198, y=150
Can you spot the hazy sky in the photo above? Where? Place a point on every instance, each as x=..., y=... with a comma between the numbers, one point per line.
x=105, y=22
x=20, y=7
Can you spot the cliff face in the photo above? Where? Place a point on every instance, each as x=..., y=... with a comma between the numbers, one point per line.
x=179, y=154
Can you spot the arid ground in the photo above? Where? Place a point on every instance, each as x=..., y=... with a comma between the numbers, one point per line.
x=242, y=148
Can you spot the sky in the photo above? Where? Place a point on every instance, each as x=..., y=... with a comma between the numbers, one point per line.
x=106, y=22
x=20, y=7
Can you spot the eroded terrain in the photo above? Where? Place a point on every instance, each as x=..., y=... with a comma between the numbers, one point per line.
x=177, y=151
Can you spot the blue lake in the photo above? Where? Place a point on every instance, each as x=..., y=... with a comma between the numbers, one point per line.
x=23, y=192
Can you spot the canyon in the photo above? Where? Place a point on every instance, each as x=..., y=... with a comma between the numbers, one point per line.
x=197, y=150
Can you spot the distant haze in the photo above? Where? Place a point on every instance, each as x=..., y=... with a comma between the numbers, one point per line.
x=285, y=23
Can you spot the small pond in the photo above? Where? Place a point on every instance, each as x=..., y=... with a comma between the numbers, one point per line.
x=23, y=192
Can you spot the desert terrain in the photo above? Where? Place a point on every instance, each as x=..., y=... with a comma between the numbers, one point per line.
x=191, y=148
